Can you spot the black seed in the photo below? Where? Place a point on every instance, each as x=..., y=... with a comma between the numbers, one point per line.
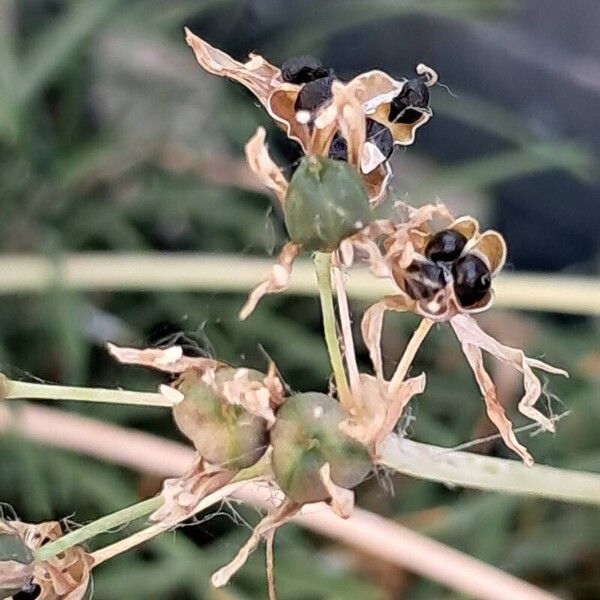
x=381, y=136
x=423, y=280
x=445, y=246
x=377, y=133
x=472, y=279
x=414, y=94
x=338, y=150
x=302, y=69
x=314, y=94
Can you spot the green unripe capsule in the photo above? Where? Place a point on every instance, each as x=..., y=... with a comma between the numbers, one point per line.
x=325, y=203
x=224, y=434
x=13, y=549
x=305, y=436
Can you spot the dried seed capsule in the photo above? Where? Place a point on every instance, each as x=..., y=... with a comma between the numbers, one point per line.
x=376, y=133
x=224, y=434
x=423, y=280
x=302, y=69
x=472, y=279
x=305, y=436
x=16, y=556
x=325, y=203
x=314, y=94
x=445, y=246
x=414, y=95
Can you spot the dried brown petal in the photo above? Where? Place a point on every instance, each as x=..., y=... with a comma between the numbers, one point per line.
x=183, y=494
x=470, y=334
x=258, y=75
x=272, y=521
x=170, y=360
x=372, y=326
x=376, y=183
x=277, y=280
x=494, y=408
x=263, y=167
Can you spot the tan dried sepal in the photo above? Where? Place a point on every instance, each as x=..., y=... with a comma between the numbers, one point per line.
x=169, y=360
x=472, y=337
x=182, y=495
x=272, y=521
x=276, y=282
x=259, y=398
x=263, y=166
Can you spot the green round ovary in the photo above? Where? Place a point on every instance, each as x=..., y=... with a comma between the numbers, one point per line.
x=305, y=436
x=325, y=203
x=223, y=434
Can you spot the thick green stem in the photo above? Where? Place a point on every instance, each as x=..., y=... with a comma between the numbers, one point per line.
x=12, y=390
x=467, y=469
x=97, y=527
x=323, y=271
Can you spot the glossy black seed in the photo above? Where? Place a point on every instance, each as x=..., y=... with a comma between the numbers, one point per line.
x=423, y=280
x=445, y=246
x=381, y=136
x=314, y=94
x=377, y=133
x=302, y=69
x=414, y=94
x=472, y=279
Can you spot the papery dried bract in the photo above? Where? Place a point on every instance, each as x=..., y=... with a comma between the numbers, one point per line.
x=169, y=360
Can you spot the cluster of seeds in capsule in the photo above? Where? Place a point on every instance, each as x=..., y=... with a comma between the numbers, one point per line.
x=444, y=261
x=316, y=81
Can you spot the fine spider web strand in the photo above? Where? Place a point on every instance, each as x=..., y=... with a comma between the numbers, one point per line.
x=537, y=429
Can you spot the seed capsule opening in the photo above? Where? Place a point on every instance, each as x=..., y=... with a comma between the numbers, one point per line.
x=472, y=279
x=314, y=94
x=305, y=436
x=376, y=133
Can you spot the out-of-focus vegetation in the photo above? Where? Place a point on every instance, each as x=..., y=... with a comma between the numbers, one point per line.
x=112, y=139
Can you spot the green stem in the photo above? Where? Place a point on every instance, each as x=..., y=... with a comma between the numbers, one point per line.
x=323, y=272
x=11, y=390
x=470, y=470
x=97, y=527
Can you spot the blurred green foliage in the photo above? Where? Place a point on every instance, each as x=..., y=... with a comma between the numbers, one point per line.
x=94, y=94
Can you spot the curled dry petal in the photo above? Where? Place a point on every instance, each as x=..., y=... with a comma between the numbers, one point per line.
x=181, y=495
x=276, y=282
x=257, y=397
x=372, y=326
x=258, y=75
x=472, y=336
x=342, y=500
x=170, y=360
x=265, y=527
x=380, y=410
x=263, y=167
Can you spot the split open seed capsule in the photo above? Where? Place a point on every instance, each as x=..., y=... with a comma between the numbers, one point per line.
x=314, y=94
x=305, y=436
x=325, y=203
x=223, y=434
